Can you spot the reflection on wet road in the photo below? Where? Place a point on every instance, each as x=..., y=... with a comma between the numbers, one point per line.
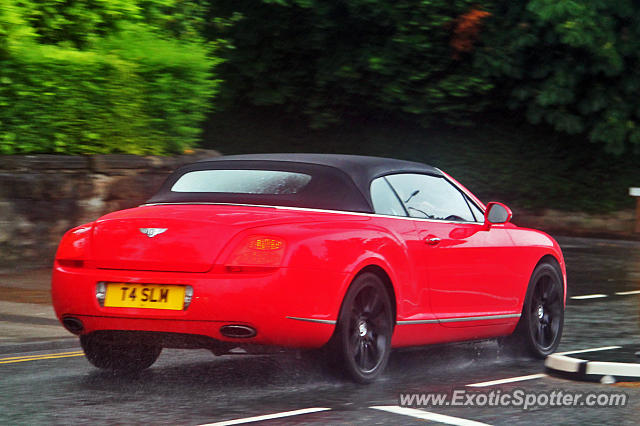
x=193, y=387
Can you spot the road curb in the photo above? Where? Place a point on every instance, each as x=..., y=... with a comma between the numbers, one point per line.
x=619, y=363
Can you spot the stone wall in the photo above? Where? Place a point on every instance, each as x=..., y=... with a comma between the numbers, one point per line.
x=620, y=224
x=42, y=196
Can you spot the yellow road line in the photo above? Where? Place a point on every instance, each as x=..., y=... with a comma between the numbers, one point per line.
x=11, y=360
x=43, y=355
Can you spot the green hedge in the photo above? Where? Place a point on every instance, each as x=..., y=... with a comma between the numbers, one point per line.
x=136, y=90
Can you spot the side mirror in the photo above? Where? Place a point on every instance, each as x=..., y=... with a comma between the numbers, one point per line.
x=496, y=213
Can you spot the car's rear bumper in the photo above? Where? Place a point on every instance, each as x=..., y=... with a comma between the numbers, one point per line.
x=286, y=307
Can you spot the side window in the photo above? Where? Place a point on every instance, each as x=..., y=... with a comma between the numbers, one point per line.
x=476, y=211
x=384, y=200
x=431, y=197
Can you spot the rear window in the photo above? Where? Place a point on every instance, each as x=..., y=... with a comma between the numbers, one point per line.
x=242, y=182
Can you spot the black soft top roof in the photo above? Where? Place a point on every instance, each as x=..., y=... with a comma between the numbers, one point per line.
x=339, y=182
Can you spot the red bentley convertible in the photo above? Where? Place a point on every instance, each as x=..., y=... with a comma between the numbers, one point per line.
x=358, y=254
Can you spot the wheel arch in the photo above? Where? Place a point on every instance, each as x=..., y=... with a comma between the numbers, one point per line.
x=384, y=276
x=388, y=285
x=531, y=267
x=550, y=258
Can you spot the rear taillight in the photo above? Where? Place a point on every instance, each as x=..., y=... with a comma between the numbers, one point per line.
x=257, y=252
x=67, y=263
x=73, y=249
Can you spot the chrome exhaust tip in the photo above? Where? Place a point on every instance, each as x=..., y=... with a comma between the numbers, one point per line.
x=74, y=325
x=238, y=331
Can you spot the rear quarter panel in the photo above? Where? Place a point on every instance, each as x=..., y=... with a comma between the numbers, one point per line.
x=324, y=255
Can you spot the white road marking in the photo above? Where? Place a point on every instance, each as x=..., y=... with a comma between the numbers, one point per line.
x=508, y=380
x=268, y=417
x=427, y=415
x=627, y=293
x=603, y=348
x=588, y=296
x=414, y=412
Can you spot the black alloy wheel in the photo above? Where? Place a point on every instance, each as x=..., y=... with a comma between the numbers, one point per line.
x=540, y=328
x=365, y=326
x=545, y=317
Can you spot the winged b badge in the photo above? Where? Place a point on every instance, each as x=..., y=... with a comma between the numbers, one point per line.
x=152, y=232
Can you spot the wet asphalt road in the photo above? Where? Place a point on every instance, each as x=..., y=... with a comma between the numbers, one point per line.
x=194, y=387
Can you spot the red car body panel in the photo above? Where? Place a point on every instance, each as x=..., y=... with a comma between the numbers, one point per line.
x=296, y=304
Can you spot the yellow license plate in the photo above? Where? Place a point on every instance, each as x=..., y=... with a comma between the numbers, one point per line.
x=151, y=296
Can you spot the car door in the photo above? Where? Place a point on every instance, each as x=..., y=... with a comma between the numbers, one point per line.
x=412, y=296
x=463, y=262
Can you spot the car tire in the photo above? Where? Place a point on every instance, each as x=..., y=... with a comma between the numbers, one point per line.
x=362, y=340
x=539, y=330
x=128, y=357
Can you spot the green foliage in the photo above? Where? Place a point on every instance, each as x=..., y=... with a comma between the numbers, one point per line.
x=13, y=29
x=499, y=158
x=178, y=87
x=61, y=101
x=76, y=22
x=339, y=59
x=571, y=64
x=100, y=76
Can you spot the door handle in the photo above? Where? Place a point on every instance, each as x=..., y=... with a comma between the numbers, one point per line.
x=432, y=241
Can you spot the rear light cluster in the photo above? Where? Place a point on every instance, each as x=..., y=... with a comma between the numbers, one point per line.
x=74, y=246
x=68, y=263
x=257, y=253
